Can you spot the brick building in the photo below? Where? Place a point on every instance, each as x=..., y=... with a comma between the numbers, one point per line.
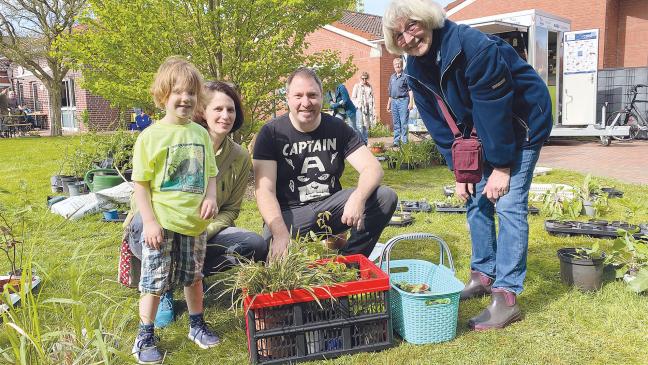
x=360, y=35
x=4, y=76
x=80, y=108
x=622, y=24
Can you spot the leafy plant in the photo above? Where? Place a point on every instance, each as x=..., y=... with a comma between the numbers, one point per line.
x=95, y=148
x=90, y=334
x=296, y=270
x=378, y=144
x=11, y=240
x=379, y=130
x=421, y=288
x=630, y=258
x=556, y=205
x=633, y=207
x=589, y=188
x=408, y=155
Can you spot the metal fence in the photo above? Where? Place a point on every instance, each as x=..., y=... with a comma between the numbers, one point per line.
x=614, y=86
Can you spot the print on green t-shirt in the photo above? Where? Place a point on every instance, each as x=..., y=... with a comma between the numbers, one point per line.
x=184, y=169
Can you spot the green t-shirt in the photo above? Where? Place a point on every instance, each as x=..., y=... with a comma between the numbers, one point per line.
x=177, y=161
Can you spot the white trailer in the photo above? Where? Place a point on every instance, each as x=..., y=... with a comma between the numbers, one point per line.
x=567, y=61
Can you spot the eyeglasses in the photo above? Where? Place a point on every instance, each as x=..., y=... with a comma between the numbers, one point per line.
x=411, y=27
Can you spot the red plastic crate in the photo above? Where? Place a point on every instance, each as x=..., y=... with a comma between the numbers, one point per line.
x=289, y=326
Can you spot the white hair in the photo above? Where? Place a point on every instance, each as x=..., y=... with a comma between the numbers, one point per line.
x=427, y=12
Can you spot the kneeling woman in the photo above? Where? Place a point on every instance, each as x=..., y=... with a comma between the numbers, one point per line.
x=222, y=115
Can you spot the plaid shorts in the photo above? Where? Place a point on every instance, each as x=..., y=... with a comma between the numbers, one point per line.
x=179, y=260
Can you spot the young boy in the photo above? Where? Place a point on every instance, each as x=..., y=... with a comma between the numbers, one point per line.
x=174, y=174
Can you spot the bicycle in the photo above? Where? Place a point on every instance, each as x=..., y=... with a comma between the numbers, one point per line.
x=628, y=116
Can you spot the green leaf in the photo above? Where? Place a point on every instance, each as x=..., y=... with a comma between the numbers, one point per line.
x=640, y=282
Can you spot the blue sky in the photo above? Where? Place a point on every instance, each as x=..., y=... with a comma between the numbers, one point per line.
x=377, y=7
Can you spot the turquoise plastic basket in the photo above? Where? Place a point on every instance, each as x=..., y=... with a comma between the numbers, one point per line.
x=423, y=318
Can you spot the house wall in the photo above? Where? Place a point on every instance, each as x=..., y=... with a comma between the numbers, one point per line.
x=633, y=33
x=622, y=24
x=378, y=65
x=100, y=114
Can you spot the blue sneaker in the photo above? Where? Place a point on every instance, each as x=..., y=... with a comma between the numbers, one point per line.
x=145, y=349
x=203, y=336
x=165, y=314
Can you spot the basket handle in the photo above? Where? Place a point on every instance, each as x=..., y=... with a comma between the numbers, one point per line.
x=443, y=248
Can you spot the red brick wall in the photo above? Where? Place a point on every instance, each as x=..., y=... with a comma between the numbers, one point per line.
x=633, y=33
x=379, y=68
x=100, y=113
x=584, y=14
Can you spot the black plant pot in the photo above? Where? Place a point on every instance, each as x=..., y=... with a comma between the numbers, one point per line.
x=582, y=272
x=408, y=166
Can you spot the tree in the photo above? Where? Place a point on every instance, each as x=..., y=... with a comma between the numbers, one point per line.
x=31, y=32
x=357, y=5
x=252, y=43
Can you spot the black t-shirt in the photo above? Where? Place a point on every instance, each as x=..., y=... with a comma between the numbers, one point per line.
x=309, y=165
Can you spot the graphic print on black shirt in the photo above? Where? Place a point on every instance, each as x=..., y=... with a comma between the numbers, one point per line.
x=309, y=165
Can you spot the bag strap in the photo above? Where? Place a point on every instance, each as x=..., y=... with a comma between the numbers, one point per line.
x=450, y=120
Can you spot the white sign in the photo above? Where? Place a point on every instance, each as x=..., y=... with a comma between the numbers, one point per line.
x=581, y=52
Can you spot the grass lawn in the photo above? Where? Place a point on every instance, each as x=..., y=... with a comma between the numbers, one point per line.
x=78, y=261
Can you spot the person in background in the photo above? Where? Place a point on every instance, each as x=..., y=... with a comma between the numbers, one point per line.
x=142, y=120
x=363, y=98
x=344, y=108
x=459, y=73
x=400, y=102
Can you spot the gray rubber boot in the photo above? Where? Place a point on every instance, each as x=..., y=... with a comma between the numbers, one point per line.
x=478, y=286
x=502, y=311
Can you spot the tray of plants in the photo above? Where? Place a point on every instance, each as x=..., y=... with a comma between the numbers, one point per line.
x=594, y=228
x=442, y=207
x=447, y=207
x=612, y=192
x=414, y=206
x=424, y=296
x=401, y=219
x=347, y=314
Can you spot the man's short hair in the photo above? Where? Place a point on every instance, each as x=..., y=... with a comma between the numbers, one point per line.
x=304, y=72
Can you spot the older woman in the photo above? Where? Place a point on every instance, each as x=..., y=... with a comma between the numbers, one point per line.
x=479, y=81
x=222, y=115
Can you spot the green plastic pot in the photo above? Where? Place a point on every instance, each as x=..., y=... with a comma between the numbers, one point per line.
x=99, y=179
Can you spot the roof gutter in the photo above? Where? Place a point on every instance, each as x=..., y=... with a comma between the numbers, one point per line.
x=350, y=35
x=457, y=8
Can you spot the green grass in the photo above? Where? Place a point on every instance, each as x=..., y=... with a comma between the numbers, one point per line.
x=562, y=326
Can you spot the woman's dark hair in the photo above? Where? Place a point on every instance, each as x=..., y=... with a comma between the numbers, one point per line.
x=228, y=89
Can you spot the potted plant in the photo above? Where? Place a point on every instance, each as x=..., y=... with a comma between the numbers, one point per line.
x=556, y=205
x=393, y=159
x=12, y=243
x=629, y=257
x=377, y=147
x=591, y=196
x=408, y=156
x=582, y=267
